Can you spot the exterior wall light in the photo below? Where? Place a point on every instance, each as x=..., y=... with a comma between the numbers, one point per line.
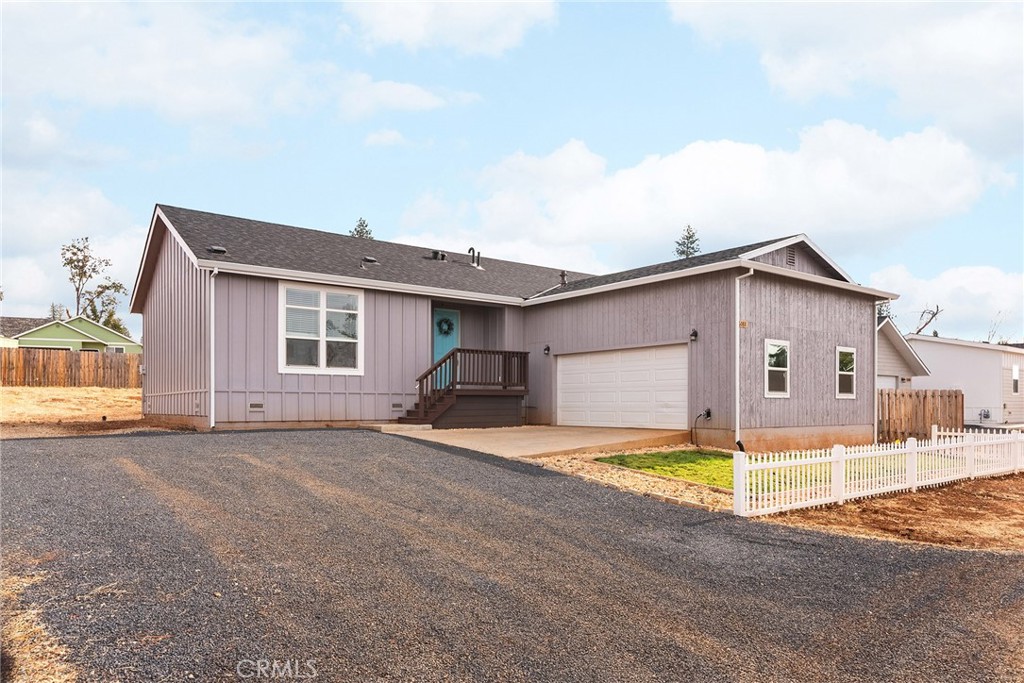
x=693, y=334
x=547, y=350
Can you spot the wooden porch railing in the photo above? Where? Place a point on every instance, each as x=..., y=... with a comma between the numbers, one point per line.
x=479, y=369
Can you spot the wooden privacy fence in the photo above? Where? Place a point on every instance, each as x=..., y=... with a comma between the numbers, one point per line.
x=60, y=368
x=906, y=413
x=774, y=482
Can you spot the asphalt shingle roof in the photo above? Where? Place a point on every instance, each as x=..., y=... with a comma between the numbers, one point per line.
x=660, y=268
x=12, y=327
x=286, y=247
x=270, y=245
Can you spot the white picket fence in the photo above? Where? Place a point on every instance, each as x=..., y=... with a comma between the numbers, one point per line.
x=765, y=483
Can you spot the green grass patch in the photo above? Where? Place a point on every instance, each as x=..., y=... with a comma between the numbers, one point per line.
x=703, y=467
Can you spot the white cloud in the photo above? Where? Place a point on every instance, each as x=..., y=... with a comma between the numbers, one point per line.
x=180, y=60
x=360, y=97
x=186, y=62
x=959, y=64
x=487, y=28
x=41, y=213
x=36, y=141
x=842, y=181
x=385, y=137
x=973, y=299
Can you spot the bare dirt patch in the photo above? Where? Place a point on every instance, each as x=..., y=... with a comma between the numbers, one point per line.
x=30, y=654
x=983, y=514
x=31, y=412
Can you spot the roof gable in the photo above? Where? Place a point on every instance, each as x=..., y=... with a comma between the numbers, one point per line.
x=887, y=329
x=102, y=332
x=58, y=329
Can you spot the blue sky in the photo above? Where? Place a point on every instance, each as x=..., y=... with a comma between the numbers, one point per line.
x=577, y=135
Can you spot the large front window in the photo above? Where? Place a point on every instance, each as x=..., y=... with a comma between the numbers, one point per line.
x=321, y=330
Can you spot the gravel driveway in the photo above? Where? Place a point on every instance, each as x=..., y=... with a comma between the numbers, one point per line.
x=385, y=559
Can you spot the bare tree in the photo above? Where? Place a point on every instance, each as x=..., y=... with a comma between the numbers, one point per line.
x=57, y=311
x=927, y=316
x=97, y=301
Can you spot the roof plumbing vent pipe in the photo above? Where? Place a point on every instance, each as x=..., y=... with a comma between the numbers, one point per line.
x=474, y=258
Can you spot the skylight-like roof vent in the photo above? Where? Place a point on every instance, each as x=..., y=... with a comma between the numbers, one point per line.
x=214, y=249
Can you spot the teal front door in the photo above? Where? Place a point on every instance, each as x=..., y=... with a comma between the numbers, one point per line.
x=446, y=332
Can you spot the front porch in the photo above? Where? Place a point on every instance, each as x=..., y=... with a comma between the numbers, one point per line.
x=472, y=388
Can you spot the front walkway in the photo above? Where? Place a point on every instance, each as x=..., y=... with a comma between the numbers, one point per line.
x=536, y=441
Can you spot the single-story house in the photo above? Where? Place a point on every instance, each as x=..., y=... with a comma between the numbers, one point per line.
x=988, y=374
x=11, y=327
x=898, y=363
x=76, y=334
x=250, y=323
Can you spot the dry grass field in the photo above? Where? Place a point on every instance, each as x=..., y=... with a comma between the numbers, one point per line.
x=27, y=412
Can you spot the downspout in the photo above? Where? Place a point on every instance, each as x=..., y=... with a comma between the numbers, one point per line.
x=874, y=375
x=736, y=356
x=213, y=345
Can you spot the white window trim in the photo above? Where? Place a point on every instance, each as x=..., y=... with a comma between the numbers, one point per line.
x=1015, y=377
x=789, y=368
x=850, y=349
x=113, y=349
x=282, y=367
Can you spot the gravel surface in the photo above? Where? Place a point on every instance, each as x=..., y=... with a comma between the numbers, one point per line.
x=178, y=556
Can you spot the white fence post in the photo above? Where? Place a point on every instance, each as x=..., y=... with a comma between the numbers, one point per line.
x=912, y=463
x=969, y=455
x=1018, y=452
x=839, y=473
x=739, y=483
x=935, y=434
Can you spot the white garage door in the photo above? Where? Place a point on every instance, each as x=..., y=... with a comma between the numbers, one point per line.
x=643, y=387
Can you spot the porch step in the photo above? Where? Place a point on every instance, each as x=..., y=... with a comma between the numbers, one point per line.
x=412, y=415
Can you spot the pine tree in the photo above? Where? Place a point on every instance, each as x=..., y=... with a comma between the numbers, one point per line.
x=688, y=245
x=362, y=229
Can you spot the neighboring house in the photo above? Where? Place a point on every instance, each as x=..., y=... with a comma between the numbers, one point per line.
x=248, y=322
x=897, y=362
x=76, y=334
x=11, y=327
x=988, y=374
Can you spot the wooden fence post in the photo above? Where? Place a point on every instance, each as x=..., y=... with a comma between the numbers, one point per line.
x=912, y=463
x=839, y=473
x=935, y=434
x=739, y=483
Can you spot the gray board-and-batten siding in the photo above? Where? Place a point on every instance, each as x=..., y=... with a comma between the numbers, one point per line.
x=815, y=320
x=397, y=347
x=648, y=315
x=176, y=334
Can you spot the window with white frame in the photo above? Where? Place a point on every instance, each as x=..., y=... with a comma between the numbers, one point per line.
x=1015, y=379
x=321, y=330
x=776, y=368
x=846, y=380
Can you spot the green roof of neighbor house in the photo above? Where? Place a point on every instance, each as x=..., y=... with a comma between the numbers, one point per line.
x=101, y=332
x=76, y=332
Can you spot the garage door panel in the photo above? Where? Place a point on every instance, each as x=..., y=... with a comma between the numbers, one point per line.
x=635, y=376
x=642, y=387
